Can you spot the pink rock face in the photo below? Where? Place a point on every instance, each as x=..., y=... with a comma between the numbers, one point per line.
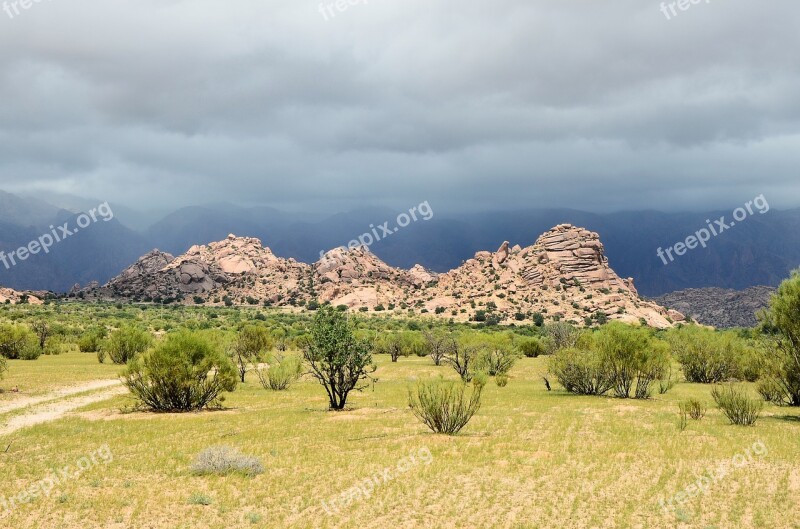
x=565, y=273
x=14, y=297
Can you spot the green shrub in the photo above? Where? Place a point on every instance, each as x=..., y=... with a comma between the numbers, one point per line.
x=126, y=343
x=17, y=342
x=281, y=373
x=198, y=498
x=224, y=460
x=737, y=405
x=91, y=340
x=693, y=408
x=707, y=356
x=501, y=380
x=444, y=406
x=781, y=367
x=634, y=358
x=498, y=356
x=3, y=367
x=581, y=371
x=182, y=373
x=251, y=344
x=532, y=347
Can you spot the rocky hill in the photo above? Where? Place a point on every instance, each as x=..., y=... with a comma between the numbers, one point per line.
x=13, y=297
x=563, y=276
x=718, y=307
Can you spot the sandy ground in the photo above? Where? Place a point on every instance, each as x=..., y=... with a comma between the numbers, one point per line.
x=55, y=405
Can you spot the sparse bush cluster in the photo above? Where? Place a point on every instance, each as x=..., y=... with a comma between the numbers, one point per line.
x=618, y=358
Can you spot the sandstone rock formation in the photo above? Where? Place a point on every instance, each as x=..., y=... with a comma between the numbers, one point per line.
x=563, y=276
x=13, y=297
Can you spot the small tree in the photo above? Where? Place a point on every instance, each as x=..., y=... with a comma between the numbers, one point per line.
x=782, y=365
x=561, y=336
x=251, y=344
x=126, y=343
x=499, y=355
x=338, y=360
x=581, y=371
x=532, y=347
x=182, y=373
x=395, y=344
x=437, y=345
x=42, y=330
x=464, y=356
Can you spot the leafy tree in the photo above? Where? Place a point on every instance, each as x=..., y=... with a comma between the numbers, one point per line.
x=42, y=330
x=185, y=372
x=499, y=355
x=782, y=323
x=125, y=343
x=437, y=345
x=251, y=344
x=338, y=359
x=396, y=344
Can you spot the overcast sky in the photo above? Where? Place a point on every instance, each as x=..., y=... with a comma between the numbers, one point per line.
x=468, y=104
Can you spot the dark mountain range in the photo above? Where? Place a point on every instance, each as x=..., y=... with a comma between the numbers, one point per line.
x=718, y=307
x=761, y=250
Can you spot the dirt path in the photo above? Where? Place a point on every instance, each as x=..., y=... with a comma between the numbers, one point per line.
x=24, y=402
x=56, y=405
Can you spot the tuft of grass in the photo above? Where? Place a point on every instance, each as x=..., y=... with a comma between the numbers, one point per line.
x=224, y=460
x=199, y=499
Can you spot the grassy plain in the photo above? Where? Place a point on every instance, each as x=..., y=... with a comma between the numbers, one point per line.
x=530, y=458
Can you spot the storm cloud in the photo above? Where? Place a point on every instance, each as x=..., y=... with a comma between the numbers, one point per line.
x=305, y=104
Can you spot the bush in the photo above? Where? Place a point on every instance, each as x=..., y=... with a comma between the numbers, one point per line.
x=581, y=371
x=397, y=344
x=736, y=405
x=618, y=357
x=3, y=367
x=532, y=347
x=444, y=406
x=501, y=380
x=281, y=372
x=91, y=340
x=498, y=357
x=706, y=356
x=634, y=359
x=126, y=343
x=223, y=460
x=561, y=336
x=781, y=367
x=17, y=342
x=693, y=408
x=183, y=373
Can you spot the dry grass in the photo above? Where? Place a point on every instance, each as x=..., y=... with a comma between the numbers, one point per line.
x=529, y=458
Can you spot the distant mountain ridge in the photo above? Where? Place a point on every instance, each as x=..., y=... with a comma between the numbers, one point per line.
x=760, y=251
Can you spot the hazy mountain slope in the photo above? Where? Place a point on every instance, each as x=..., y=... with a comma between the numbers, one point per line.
x=722, y=308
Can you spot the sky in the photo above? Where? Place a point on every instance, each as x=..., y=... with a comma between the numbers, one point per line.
x=472, y=105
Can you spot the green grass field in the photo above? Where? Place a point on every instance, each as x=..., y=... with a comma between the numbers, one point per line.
x=530, y=458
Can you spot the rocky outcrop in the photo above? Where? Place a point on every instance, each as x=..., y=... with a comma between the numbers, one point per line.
x=563, y=276
x=10, y=296
x=718, y=307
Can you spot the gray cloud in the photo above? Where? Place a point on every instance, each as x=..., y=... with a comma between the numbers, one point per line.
x=509, y=103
